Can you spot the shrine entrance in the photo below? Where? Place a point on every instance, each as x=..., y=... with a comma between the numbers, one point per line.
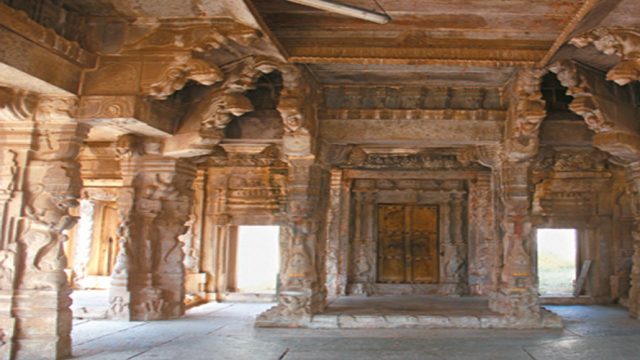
x=407, y=244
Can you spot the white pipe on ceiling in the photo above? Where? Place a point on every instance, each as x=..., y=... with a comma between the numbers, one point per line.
x=344, y=9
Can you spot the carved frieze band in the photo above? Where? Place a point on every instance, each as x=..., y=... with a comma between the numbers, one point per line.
x=390, y=114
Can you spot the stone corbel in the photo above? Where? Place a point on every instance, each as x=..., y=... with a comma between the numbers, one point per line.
x=203, y=126
x=623, y=42
x=159, y=81
x=164, y=55
x=583, y=102
x=614, y=137
x=128, y=113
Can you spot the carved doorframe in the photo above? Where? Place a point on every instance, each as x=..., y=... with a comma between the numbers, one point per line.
x=452, y=252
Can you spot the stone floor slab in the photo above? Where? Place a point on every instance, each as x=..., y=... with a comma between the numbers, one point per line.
x=226, y=331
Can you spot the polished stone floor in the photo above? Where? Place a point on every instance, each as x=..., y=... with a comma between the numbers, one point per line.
x=225, y=331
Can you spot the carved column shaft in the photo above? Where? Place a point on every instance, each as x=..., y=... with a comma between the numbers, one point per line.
x=83, y=240
x=633, y=176
x=162, y=206
x=128, y=152
x=517, y=294
x=16, y=129
x=458, y=242
x=333, y=234
x=483, y=276
x=302, y=291
x=41, y=140
x=344, y=233
x=361, y=264
x=154, y=204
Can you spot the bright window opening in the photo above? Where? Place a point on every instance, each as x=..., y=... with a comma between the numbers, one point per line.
x=258, y=259
x=557, y=253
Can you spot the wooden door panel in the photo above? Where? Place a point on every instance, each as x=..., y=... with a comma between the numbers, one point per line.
x=424, y=244
x=391, y=248
x=407, y=243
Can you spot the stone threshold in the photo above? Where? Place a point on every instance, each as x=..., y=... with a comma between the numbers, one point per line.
x=239, y=297
x=574, y=300
x=548, y=320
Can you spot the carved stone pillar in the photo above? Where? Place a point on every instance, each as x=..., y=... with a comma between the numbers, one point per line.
x=359, y=258
x=333, y=234
x=458, y=267
x=517, y=295
x=344, y=234
x=483, y=240
x=301, y=293
x=128, y=151
x=41, y=140
x=83, y=240
x=633, y=174
x=148, y=279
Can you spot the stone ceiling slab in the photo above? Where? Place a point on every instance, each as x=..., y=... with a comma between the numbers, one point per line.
x=468, y=34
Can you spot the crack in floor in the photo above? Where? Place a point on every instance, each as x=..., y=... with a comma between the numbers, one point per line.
x=109, y=334
x=155, y=346
x=528, y=353
x=286, y=351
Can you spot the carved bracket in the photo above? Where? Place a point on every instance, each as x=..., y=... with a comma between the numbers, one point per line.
x=622, y=42
x=583, y=102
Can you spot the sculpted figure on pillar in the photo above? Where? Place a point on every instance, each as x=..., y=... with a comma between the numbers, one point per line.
x=528, y=111
x=52, y=187
x=623, y=42
x=40, y=183
x=190, y=252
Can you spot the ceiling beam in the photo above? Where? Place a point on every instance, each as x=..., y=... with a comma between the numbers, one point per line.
x=568, y=31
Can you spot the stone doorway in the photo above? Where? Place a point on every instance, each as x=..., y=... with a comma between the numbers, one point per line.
x=557, y=261
x=407, y=244
x=257, y=259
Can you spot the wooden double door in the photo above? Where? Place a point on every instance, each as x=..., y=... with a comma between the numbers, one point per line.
x=407, y=243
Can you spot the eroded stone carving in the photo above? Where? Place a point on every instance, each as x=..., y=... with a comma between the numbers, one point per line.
x=623, y=42
x=584, y=103
x=199, y=37
x=175, y=75
x=528, y=112
x=190, y=253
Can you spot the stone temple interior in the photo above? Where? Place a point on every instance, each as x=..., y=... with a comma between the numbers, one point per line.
x=407, y=163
